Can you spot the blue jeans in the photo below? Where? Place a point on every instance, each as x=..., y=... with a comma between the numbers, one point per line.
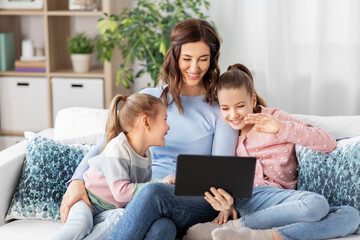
x=157, y=201
x=83, y=224
x=296, y=214
x=293, y=214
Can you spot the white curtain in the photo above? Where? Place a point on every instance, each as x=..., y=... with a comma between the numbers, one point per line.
x=305, y=54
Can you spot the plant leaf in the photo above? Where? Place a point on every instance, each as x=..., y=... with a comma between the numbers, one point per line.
x=113, y=26
x=162, y=49
x=126, y=84
x=140, y=73
x=129, y=76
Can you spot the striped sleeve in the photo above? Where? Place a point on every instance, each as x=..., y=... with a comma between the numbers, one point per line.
x=114, y=173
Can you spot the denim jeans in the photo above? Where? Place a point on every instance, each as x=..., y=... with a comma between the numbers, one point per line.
x=296, y=215
x=163, y=228
x=83, y=224
x=156, y=201
x=293, y=214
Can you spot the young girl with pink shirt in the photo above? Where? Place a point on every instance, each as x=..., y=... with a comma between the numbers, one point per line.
x=123, y=165
x=276, y=211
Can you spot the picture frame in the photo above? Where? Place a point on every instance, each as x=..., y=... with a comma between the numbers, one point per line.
x=21, y=4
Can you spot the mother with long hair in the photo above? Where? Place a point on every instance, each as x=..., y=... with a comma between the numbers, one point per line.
x=190, y=72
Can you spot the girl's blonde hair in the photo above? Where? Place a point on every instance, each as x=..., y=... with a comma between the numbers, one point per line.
x=238, y=76
x=122, y=118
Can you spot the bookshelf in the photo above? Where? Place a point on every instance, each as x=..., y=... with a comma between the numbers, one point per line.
x=57, y=24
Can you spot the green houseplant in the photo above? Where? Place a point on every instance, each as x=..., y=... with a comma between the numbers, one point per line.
x=80, y=47
x=142, y=33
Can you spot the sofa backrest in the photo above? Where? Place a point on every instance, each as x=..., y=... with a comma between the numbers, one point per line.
x=339, y=126
x=80, y=125
x=87, y=125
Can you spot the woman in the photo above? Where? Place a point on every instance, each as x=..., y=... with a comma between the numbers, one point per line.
x=190, y=71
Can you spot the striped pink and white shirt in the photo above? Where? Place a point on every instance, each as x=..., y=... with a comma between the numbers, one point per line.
x=117, y=173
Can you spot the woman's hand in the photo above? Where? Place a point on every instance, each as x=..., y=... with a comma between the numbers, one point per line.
x=75, y=192
x=170, y=179
x=265, y=123
x=224, y=216
x=221, y=201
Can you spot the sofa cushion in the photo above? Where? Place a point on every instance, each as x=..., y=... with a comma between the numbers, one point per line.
x=80, y=125
x=47, y=166
x=334, y=175
x=29, y=229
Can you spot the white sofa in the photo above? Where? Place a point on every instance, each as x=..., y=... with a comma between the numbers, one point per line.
x=86, y=126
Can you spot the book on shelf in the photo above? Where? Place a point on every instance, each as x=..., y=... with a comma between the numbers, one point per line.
x=30, y=69
x=32, y=59
x=6, y=51
x=30, y=64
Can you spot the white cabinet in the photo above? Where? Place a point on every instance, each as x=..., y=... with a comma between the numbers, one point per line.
x=24, y=103
x=77, y=92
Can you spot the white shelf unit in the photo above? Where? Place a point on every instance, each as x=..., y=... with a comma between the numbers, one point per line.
x=57, y=24
x=77, y=92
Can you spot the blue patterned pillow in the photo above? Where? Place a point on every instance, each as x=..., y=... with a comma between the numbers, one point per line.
x=47, y=166
x=335, y=175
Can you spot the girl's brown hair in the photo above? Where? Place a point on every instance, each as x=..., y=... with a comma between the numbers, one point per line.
x=187, y=31
x=122, y=118
x=238, y=76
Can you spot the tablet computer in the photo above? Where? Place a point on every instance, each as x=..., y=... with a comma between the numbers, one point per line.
x=195, y=174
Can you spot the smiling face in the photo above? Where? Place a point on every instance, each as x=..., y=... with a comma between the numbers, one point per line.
x=235, y=105
x=194, y=62
x=158, y=126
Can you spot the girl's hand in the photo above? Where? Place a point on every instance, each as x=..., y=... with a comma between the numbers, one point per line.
x=265, y=123
x=170, y=179
x=224, y=216
x=75, y=192
x=220, y=200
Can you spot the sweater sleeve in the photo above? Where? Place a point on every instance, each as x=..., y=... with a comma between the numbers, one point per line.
x=304, y=134
x=122, y=191
x=84, y=165
x=225, y=139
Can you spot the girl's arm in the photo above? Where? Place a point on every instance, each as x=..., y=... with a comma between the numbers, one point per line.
x=110, y=176
x=292, y=130
x=75, y=186
x=304, y=134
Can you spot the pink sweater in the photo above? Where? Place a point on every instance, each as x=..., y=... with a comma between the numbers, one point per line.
x=275, y=153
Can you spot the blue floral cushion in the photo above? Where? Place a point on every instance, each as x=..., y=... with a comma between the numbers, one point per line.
x=47, y=166
x=335, y=175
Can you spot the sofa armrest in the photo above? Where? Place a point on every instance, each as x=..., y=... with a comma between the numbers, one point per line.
x=11, y=161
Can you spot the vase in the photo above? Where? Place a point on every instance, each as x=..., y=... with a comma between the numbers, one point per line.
x=81, y=62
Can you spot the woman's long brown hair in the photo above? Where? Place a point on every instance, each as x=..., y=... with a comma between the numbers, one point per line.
x=187, y=31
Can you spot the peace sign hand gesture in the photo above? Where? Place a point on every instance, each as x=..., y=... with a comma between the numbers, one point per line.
x=264, y=123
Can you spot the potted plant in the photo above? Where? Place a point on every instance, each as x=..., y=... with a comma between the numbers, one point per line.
x=80, y=47
x=142, y=33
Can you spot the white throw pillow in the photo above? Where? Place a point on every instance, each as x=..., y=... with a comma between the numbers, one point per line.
x=80, y=125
